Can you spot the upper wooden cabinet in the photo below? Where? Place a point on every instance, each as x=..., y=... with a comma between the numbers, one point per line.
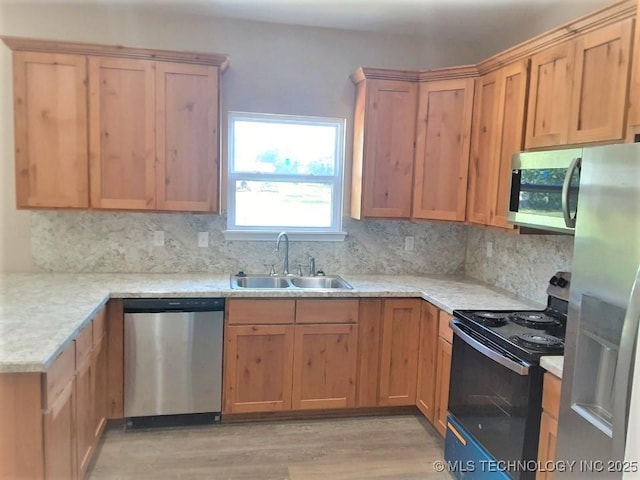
x=122, y=151
x=442, y=149
x=165, y=157
x=50, y=107
x=383, y=139
x=498, y=130
x=578, y=90
x=124, y=128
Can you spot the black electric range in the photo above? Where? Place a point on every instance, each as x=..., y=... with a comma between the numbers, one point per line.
x=527, y=334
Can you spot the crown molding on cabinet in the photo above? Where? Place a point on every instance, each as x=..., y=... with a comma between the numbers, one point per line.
x=612, y=14
x=78, y=48
x=465, y=71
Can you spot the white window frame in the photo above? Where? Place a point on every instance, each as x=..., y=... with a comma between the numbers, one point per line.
x=331, y=233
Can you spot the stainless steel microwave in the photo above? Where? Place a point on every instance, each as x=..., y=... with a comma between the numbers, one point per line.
x=544, y=189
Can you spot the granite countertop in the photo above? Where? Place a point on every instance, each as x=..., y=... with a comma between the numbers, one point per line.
x=553, y=364
x=40, y=314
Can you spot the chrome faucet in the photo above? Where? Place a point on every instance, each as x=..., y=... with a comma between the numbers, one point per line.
x=284, y=235
x=312, y=267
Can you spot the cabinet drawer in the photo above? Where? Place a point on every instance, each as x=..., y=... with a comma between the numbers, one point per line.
x=260, y=312
x=551, y=395
x=59, y=374
x=84, y=344
x=327, y=311
x=444, y=330
x=99, y=325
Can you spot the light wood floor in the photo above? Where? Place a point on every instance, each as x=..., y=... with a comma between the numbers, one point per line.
x=391, y=447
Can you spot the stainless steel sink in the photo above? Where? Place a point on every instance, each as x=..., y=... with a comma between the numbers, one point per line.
x=291, y=282
x=260, y=282
x=320, y=282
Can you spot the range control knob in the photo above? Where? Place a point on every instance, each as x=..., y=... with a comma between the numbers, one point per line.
x=562, y=282
x=555, y=281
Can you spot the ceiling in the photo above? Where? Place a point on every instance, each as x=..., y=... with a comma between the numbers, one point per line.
x=444, y=20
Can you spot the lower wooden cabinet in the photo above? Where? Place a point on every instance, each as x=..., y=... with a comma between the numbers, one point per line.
x=257, y=368
x=443, y=372
x=59, y=449
x=549, y=424
x=309, y=364
x=426, y=386
x=84, y=420
x=324, y=366
x=399, y=355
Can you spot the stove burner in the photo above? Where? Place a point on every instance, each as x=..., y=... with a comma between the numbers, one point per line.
x=538, y=341
x=491, y=319
x=534, y=320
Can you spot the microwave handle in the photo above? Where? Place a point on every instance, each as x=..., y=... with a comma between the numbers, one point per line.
x=519, y=368
x=569, y=221
x=624, y=370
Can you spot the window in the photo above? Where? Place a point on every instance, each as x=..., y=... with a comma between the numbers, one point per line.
x=285, y=173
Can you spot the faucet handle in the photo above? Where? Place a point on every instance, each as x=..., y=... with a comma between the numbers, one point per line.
x=272, y=269
x=299, y=270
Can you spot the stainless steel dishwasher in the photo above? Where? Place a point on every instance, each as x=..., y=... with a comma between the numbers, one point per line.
x=172, y=361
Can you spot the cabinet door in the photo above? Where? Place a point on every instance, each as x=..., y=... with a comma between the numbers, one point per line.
x=383, y=156
x=324, y=366
x=50, y=105
x=483, y=146
x=399, y=356
x=511, y=113
x=258, y=368
x=85, y=416
x=122, y=136
x=547, y=445
x=369, y=333
x=442, y=149
x=99, y=394
x=550, y=96
x=59, y=446
x=427, y=360
x=187, y=137
x=442, y=385
x=600, y=81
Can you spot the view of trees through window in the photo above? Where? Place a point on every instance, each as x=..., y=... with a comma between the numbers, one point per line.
x=547, y=194
x=285, y=172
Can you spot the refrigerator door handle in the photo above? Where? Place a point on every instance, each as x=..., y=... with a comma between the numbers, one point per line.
x=622, y=380
x=569, y=221
x=521, y=369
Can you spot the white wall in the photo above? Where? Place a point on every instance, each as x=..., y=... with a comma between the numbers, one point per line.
x=274, y=68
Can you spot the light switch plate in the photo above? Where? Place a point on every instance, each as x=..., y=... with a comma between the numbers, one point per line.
x=158, y=238
x=203, y=239
x=409, y=243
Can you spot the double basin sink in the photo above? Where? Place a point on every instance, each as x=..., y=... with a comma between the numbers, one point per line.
x=291, y=282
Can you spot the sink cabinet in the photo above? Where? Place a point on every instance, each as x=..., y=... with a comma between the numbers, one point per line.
x=286, y=355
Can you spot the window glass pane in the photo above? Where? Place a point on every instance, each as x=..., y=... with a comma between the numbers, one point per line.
x=284, y=148
x=283, y=204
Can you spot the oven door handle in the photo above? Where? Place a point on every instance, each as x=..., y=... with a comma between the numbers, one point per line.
x=519, y=368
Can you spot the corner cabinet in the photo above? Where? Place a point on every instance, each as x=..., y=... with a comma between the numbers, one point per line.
x=442, y=149
x=579, y=88
x=383, y=140
x=142, y=125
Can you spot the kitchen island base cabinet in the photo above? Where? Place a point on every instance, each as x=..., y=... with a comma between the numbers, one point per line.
x=59, y=445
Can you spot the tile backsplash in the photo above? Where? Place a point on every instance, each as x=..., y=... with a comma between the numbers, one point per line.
x=521, y=264
x=123, y=242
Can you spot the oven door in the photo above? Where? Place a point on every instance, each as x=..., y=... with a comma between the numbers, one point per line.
x=495, y=397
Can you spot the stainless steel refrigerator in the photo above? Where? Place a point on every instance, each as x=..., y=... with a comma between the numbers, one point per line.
x=604, y=310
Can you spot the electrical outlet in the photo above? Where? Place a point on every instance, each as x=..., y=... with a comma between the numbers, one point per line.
x=203, y=239
x=489, y=249
x=158, y=238
x=409, y=243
